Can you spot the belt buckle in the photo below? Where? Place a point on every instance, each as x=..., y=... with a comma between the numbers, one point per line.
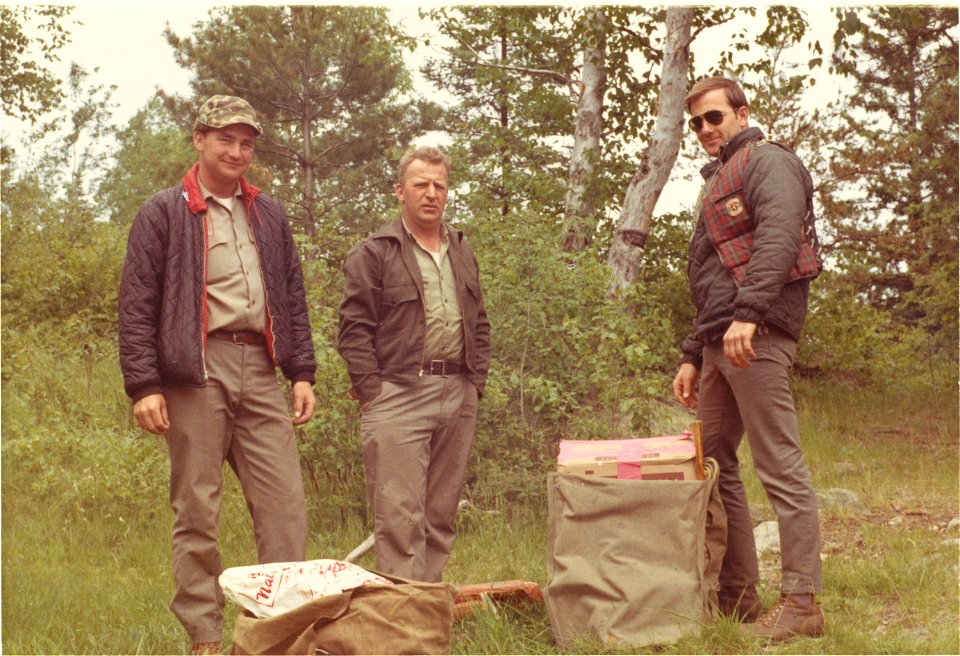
x=437, y=368
x=233, y=338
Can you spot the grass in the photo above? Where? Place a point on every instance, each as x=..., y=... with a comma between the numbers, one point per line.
x=85, y=532
x=79, y=584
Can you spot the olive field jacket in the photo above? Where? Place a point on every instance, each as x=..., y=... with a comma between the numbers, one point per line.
x=382, y=316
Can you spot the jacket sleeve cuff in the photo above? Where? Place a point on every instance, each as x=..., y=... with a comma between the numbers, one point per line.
x=480, y=382
x=747, y=315
x=692, y=350
x=367, y=388
x=144, y=392
x=696, y=359
x=303, y=376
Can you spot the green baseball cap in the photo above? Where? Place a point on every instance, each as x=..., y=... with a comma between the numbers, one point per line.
x=221, y=111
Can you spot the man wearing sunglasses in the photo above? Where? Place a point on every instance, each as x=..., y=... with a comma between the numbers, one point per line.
x=753, y=253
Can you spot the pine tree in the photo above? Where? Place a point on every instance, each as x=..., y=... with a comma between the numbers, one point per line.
x=333, y=90
x=896, y=216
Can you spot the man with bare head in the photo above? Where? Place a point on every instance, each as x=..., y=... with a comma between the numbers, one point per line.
x=753, y=253
x=416, y=340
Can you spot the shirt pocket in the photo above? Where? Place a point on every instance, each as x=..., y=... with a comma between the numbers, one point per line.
x=218, y=257
x=216, y=231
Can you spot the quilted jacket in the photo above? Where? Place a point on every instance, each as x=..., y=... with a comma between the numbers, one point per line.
x=776, y=196
x=162, y=304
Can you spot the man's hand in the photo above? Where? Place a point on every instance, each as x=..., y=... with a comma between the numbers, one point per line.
x=151, y=413
x=737, y=343
x=303, y=402
x=685, y=386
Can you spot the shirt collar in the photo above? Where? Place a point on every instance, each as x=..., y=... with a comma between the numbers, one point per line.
x=443, y=231
x=238, y=192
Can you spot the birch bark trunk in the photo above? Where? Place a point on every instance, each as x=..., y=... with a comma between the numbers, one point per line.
x=659, y=156
x=586, y=139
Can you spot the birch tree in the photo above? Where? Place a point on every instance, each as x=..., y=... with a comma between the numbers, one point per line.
x=547, y=98
x=588, y=131
x=660, y=154
x=683, y=24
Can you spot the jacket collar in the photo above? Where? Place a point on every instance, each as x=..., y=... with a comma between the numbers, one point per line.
x=739, y=140
x=394, y=229
x=727, y=150
x=195, y=199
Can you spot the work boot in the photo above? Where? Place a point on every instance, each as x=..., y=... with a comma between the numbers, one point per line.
x=206, y=648
x=794, y=615
x=740, y=603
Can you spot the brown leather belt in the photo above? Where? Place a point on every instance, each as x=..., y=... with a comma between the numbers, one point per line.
x=442, y=368
x=240, y=337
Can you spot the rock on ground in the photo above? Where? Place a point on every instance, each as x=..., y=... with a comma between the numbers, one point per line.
x=837, y=497
x=767, y=537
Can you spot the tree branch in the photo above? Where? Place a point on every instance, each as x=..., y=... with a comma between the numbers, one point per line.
x=560, y=78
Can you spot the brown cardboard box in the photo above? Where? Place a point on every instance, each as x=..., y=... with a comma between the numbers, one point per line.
x=674, y=457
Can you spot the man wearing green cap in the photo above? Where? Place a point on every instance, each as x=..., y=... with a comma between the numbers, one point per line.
x=211, y=302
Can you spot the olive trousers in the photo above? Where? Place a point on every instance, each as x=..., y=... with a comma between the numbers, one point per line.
x=240, y=417
x=416, y=443
x=758, y=399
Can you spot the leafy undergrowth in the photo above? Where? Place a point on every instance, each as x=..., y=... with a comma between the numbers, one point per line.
x=92, y=575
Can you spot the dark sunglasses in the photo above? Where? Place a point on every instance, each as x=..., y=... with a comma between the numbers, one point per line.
x=713, y=117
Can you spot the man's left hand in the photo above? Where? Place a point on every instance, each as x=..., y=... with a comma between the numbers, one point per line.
x=737, y=343
x=303, y=402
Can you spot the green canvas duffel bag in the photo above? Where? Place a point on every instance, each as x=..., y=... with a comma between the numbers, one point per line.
x=409, y=617
x=632, y=562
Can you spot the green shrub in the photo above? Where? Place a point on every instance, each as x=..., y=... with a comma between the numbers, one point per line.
x=846, y=337
x=67, y=426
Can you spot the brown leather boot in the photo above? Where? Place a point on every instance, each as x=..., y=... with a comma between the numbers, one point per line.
x=742, y=604
x=794, y=615
x=206, y=648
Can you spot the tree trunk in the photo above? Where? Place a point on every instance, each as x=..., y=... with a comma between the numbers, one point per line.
x=504, y=122
x=586, y=139
x=659, y=156
x=308, y=166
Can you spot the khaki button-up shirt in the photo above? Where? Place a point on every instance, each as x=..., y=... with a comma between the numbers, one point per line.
x=444, y=330
x=235, y=296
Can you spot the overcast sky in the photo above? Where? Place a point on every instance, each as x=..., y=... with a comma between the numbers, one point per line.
x=125, y=42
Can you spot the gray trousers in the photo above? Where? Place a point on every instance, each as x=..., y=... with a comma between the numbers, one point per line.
x=758, y=399
x=240, y=416
x=416, y=443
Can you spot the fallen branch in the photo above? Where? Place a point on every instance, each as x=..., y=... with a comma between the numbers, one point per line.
x=367, y=544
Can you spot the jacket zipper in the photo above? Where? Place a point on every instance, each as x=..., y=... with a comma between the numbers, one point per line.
x=423, y=303
x=266, y=301
x=203, y=304
x=456, y=278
